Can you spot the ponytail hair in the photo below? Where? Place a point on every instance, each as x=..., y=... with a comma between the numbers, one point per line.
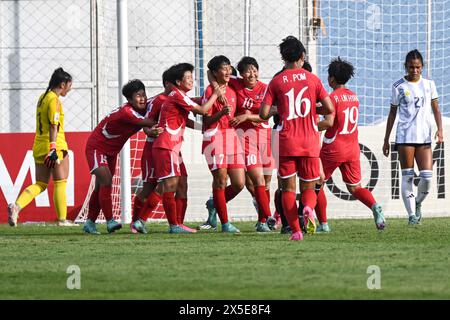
x=59, y=76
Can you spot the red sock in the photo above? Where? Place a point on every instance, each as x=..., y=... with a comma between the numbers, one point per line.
x=94, y=207
x=268, y=194
x=277, y=201
x=221, y=204
x=321, y=207
x=263, y=203
x=152, y=201
x=230, y=193
x=290, y=210
x=365, y=196
x=104, y=196
x=309, y=198
x=137, y=207
x=181, y=209
x=170, y=207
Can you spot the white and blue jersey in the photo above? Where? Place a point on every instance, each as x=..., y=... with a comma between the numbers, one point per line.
x=414, y=109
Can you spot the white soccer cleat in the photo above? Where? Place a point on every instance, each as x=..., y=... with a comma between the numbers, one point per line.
x=13, y=214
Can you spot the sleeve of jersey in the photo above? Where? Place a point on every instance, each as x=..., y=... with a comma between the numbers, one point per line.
x=131, y=116
x=156, y=108
x=235, y=83
x=54, y=110
x=434, y=94
x=394, y=96
x=269, y=96
x=321, y=92
x=184, y=102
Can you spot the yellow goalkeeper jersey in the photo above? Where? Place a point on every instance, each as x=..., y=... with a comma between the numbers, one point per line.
x=49, y=111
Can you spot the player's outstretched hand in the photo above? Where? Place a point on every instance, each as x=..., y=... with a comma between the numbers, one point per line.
x=51, y=159
x=238, y=120
x=155, y=131
x=386, y=148
x=439, y=136
x=226, y=110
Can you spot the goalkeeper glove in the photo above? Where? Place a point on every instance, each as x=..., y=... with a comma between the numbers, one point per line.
x=52, y=156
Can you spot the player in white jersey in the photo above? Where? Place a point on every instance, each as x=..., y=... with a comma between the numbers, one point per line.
x=415, y=98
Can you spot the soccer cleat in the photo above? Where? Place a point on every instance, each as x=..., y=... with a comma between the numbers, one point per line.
x=13, y=214
x=139, y=226
x=262, y=227
x=271, y=223
x=419, y=212
x=206, y=226
x=378, y=216
x=112, y=225
x=188, y=229
x=89, y=227
x=132, y=228
x=211, y=222
x=323, y=227
x=308, y=218
x=66, y=223
x=296, y=236
x=413, y=220
x=229, y=228
x=178, y=229
x=285, y=230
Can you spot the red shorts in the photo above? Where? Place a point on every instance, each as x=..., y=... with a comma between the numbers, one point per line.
x=147, y=167
x=167, y=164
x=97, y=158
x=257, y=149
x=225, y=161
x=307, y=168
x=350, y=170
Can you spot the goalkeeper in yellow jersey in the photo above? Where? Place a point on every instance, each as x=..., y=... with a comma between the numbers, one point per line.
x=49, y=150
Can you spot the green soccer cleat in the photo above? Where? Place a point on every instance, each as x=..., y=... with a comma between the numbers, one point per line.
x=89, y=227
x=378, y=216
x=229, y=228
x=323, y=228
x=412, y=220
x=139, y=226
x=212, y=213
x=262, y=227
x=177, y=229
x=112, y=225
x=419, y=212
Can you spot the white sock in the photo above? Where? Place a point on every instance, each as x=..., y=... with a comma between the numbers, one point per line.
x=424, y=185
x=407, y=191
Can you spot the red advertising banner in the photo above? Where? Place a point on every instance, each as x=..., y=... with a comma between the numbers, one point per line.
x=17, y=172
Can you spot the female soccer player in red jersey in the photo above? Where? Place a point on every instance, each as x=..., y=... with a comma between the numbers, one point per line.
x=221, y=146
x=105, y=143
x=167, y=159
x=340, y=148
x=295, y=92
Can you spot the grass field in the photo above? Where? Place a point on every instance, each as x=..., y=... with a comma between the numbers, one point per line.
x=414, y=263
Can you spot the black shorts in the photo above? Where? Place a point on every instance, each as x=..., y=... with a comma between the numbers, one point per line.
x=415, y=145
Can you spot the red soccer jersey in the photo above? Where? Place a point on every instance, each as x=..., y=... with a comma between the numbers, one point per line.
x=154, y=108
x=115, y=129
x=340, y=142
x=221, y=129
x=173, y=116
x=295, y=92
x=249, y=99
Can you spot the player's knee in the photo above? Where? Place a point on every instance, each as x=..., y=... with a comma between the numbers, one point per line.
x=42, y=185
